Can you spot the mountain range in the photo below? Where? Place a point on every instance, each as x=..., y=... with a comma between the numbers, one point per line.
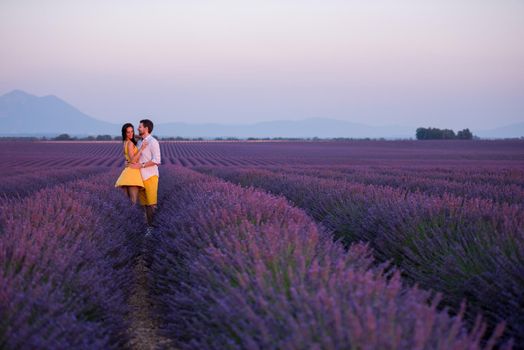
x=24, y=114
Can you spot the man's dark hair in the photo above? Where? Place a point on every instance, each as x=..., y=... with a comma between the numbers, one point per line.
x=148, y=124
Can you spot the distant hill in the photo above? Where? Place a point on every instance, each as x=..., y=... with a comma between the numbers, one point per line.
x=23, y=114
x=313, y=127
x=512, y=130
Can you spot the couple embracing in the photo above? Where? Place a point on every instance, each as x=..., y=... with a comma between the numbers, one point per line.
x=139, y=179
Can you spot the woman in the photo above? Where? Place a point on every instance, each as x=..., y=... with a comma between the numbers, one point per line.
x=130, y=180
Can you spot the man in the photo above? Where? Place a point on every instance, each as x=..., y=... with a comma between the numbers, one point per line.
x=148, y=164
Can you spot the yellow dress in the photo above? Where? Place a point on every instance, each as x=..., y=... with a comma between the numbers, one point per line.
x=129, y=176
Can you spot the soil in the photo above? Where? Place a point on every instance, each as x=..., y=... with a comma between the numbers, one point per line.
x=144, y=327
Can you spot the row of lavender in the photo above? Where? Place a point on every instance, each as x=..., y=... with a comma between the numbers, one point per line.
x=473, y=181
x=66, y=254
x=266, y=153
x=471, y=248
x=237, y=268
x=22, y=181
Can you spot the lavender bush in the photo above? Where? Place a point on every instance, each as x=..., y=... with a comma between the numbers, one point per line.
x=20, y=183
x=238, y=268
x=473, y=153
x=66, y=254
x=500, y=185
x=463, y=248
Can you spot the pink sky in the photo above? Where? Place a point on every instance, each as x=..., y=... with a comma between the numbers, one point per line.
x=445, y=63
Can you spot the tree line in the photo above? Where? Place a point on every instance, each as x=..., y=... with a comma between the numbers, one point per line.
x=442, y=134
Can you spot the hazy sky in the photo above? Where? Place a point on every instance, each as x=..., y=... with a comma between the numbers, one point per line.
x=444, y=63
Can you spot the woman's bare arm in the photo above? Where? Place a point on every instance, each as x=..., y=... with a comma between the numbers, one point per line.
x=131, y=151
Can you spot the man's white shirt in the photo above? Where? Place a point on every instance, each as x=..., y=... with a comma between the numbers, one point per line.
x=151, y=152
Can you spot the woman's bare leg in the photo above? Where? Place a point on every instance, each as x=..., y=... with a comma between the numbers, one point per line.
x=133, y=194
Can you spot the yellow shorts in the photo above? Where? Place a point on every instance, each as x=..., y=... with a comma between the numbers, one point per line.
x=148, y=194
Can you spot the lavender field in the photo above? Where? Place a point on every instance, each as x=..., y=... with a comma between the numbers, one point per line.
x=265, y=245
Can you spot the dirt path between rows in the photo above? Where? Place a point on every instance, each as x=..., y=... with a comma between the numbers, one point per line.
x=143, y=330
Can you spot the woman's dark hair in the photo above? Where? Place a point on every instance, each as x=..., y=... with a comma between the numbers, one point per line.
x=124, y=131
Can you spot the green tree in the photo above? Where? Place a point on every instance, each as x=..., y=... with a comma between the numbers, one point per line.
x=104, y=138
x=63, y=137
x=465, y=134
